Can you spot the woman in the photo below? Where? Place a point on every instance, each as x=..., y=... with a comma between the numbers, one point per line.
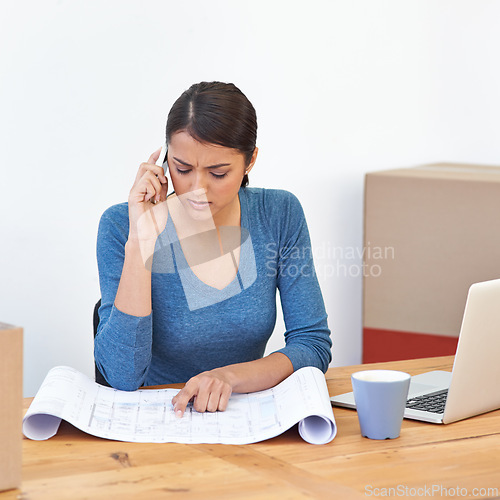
x=189, y=282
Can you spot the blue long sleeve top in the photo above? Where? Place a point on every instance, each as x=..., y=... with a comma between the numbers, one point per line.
x=194, y=327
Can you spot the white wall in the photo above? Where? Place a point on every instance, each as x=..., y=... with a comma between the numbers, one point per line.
x=340, y=87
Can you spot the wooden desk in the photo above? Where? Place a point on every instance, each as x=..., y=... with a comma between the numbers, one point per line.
x=464, y=455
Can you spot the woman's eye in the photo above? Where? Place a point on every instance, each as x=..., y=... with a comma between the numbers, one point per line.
x=186, y=171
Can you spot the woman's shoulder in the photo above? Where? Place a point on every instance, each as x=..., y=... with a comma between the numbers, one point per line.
x=277, y=210
x=277, y=206
x=115, y=218
x=272, y=199
x=117, y=213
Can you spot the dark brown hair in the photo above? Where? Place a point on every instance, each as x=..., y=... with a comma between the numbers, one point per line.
x=216, y=113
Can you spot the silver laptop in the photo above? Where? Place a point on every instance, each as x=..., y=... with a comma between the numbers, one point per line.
x=473, y=387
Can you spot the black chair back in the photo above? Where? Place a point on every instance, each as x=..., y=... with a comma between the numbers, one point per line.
x=99, y=378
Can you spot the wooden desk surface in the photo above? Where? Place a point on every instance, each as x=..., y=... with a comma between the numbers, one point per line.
x=456, y=460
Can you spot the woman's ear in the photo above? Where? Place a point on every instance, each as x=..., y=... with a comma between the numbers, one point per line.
x=253, y=160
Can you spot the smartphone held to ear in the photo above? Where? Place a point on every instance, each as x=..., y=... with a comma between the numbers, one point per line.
x=162, y=159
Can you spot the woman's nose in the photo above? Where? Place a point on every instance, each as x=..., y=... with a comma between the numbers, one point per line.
x=200, y=182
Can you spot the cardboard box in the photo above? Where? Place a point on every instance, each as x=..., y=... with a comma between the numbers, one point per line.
x=11, y=402
x=430, y=232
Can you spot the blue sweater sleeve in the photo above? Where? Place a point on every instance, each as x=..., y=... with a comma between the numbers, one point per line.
x=122, y=347
x=307, y=335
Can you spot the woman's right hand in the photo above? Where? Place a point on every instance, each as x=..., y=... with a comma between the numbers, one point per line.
x=147, y=205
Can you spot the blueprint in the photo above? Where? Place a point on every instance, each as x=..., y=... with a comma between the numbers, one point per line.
x=147, y=415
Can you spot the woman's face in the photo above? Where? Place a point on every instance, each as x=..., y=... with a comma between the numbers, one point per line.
x=206, y=177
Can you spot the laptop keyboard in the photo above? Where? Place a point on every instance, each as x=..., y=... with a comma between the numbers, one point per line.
x=433, y=402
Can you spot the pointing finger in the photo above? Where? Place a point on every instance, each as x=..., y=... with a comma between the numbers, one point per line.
x=154, y=157
x=181, y=400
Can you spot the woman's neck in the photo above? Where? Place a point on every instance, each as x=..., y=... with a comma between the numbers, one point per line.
x=230, y=215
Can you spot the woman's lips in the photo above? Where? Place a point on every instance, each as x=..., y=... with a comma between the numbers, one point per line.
x=199, y=205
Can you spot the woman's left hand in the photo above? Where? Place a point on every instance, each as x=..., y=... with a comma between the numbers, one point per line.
x=210, y=390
